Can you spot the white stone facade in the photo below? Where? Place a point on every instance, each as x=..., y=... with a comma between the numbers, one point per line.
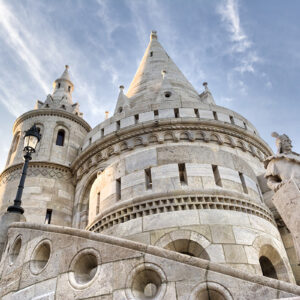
x=164, y=200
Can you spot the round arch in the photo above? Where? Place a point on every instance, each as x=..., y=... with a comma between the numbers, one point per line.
x=186, y=242
x=81, y=207
x=269, y=255
x=210, y=290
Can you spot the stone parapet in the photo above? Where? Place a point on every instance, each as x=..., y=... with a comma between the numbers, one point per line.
x=116, y=269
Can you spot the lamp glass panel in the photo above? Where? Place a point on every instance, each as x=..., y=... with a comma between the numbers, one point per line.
x=30, y=141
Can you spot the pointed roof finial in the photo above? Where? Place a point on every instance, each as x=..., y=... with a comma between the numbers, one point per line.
x=65, y=74
x=205, y=86
x=153, y=35
x=106, y=114
x=121, y=88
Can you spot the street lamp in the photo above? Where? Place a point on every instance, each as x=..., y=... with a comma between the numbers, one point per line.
x=31, y=139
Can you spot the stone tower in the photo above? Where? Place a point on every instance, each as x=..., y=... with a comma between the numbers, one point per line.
x=172, y=169
x=166, y=199
x=49, y=192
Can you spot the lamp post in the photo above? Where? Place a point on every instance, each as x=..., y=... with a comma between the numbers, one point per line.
x=31, y=139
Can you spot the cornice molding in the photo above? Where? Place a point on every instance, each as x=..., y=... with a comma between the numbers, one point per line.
x=207, y=127
x=52, y=112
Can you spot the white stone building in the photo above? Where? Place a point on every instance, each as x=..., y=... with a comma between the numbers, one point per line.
x=164, y=200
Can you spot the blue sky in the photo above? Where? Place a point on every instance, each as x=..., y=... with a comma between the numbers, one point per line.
x=248, y=52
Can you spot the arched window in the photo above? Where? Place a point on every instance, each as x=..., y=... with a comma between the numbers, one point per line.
x=39, y=130
x=60, y=137
x=16, y=142
x=267, y=267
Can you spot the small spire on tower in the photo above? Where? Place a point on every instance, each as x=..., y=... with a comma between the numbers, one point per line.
x=121, y=88
x=153, y=35
x=106, y=114
x=206, y=96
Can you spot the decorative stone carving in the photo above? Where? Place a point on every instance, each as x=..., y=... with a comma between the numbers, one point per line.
x=283, y=166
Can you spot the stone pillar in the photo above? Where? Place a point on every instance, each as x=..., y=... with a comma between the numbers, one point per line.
x=287, y=203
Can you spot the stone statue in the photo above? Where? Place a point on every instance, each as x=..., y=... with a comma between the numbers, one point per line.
x=283, y=177
x=283, y=166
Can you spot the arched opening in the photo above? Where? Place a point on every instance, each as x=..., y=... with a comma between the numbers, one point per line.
x=272, y=264
x=210, y=294
x=267, y=267
x=16, y=142
x=188, y=247
x=60, y=139
x=83, y=205
x=210, y=291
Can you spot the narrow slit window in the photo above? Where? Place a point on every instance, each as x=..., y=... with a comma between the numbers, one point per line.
x=118, y=125
x=58, y=86
x=60, y=139
x=215, y=115
x=39, y=131
x=232, y=120
x=136, y=119
x=148, y=178
x=98, y=203
x=245, y=190
x=48, y=216
x=102, y=132
x=176, y=112
x=151, y=53
x=182, y=174
x=197, y=113
x=69, y=89
x=245, y=125
x=90, y=140
x=118, y=189
x=217, y=175
x=156, y=113
x=260, y=193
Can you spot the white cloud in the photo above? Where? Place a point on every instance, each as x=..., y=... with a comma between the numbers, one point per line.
x=16, y=38
x=230, y=15
x=242, y=45
x=43, y=54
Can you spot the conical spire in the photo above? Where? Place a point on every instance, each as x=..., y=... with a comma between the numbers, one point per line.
x=122, y=102
x=65, y=75
x=63, y=87
x=147, y=83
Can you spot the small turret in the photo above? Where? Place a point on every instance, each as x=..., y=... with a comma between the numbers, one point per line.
x=61, y=97
x=123, y=101
x=206, y=96
x=63, y=87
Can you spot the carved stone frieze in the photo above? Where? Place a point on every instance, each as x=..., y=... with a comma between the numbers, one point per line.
x=181, y=132
x=46, y=170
